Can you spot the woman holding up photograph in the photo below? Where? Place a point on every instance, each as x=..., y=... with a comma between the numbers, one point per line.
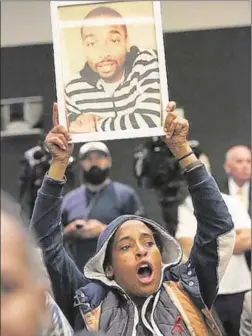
x=119, y=87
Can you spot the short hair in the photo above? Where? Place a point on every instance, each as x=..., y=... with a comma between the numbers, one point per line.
x=106, y=11
x=229, y=153
x=11, y=209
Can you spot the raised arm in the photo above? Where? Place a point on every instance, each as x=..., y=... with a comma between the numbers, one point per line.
x=214, y=240
x=46, y=220
x=215, y=237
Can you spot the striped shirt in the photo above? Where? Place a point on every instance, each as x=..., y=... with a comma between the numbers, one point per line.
x=135, y=103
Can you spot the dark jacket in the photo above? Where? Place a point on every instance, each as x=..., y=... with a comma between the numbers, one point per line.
x=200, y=277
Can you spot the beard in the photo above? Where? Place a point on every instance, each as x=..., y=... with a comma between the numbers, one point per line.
x=96, y=175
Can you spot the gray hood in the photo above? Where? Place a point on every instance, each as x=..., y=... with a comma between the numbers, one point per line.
x=171, y=250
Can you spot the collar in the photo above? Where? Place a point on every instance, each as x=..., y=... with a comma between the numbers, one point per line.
x=234, y=188
x=102, y=84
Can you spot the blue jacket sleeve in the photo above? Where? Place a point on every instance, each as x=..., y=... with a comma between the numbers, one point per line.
x=46, y=221
x=215, y=237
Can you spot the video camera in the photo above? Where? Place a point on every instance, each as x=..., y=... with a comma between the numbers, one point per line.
x=155, y=165
x=156, y=168
x=33, y=166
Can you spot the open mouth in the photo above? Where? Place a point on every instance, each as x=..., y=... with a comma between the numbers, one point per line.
x=145, y=273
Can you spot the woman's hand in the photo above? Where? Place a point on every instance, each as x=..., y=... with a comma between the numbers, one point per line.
x=176, y=131
x=57, y=142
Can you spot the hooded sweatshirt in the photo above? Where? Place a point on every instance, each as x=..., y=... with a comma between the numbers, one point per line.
x=171, y=250
x=171, y=255
x=199, y=277
x=134, y=104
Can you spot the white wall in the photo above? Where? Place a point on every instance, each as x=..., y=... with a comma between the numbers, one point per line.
x=28, y=22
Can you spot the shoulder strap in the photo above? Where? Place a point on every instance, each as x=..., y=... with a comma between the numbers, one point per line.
x=91, y=205
x=191, y=315
x=118, y=194
x=91, y=317
x=93, y=201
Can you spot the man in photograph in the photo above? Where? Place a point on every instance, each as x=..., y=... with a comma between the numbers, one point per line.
x=119, y=87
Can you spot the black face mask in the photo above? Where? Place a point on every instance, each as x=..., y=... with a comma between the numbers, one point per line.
x=96, y=175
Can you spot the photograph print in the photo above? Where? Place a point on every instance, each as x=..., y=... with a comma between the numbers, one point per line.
x=110, y=68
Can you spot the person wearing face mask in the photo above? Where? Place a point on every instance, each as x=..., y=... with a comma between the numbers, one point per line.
x=87, y=210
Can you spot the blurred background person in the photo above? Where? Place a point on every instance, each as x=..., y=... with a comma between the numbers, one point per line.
x=237, y=278
x=245, y=328
x=87, y=209
x=238, y=169
x=237, y=166
x=27, y=308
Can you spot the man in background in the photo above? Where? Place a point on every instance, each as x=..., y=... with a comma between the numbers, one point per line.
x=238, y=169
x=237, y=279
x=88, y=209
x=237, y=166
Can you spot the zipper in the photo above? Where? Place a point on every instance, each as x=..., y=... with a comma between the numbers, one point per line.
x=79, y=301
x=136, y=320
x=143, y=313
x=114, y=106
x=153, y=323
x=112, y=99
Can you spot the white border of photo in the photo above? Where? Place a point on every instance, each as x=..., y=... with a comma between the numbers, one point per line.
x=108, y=135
